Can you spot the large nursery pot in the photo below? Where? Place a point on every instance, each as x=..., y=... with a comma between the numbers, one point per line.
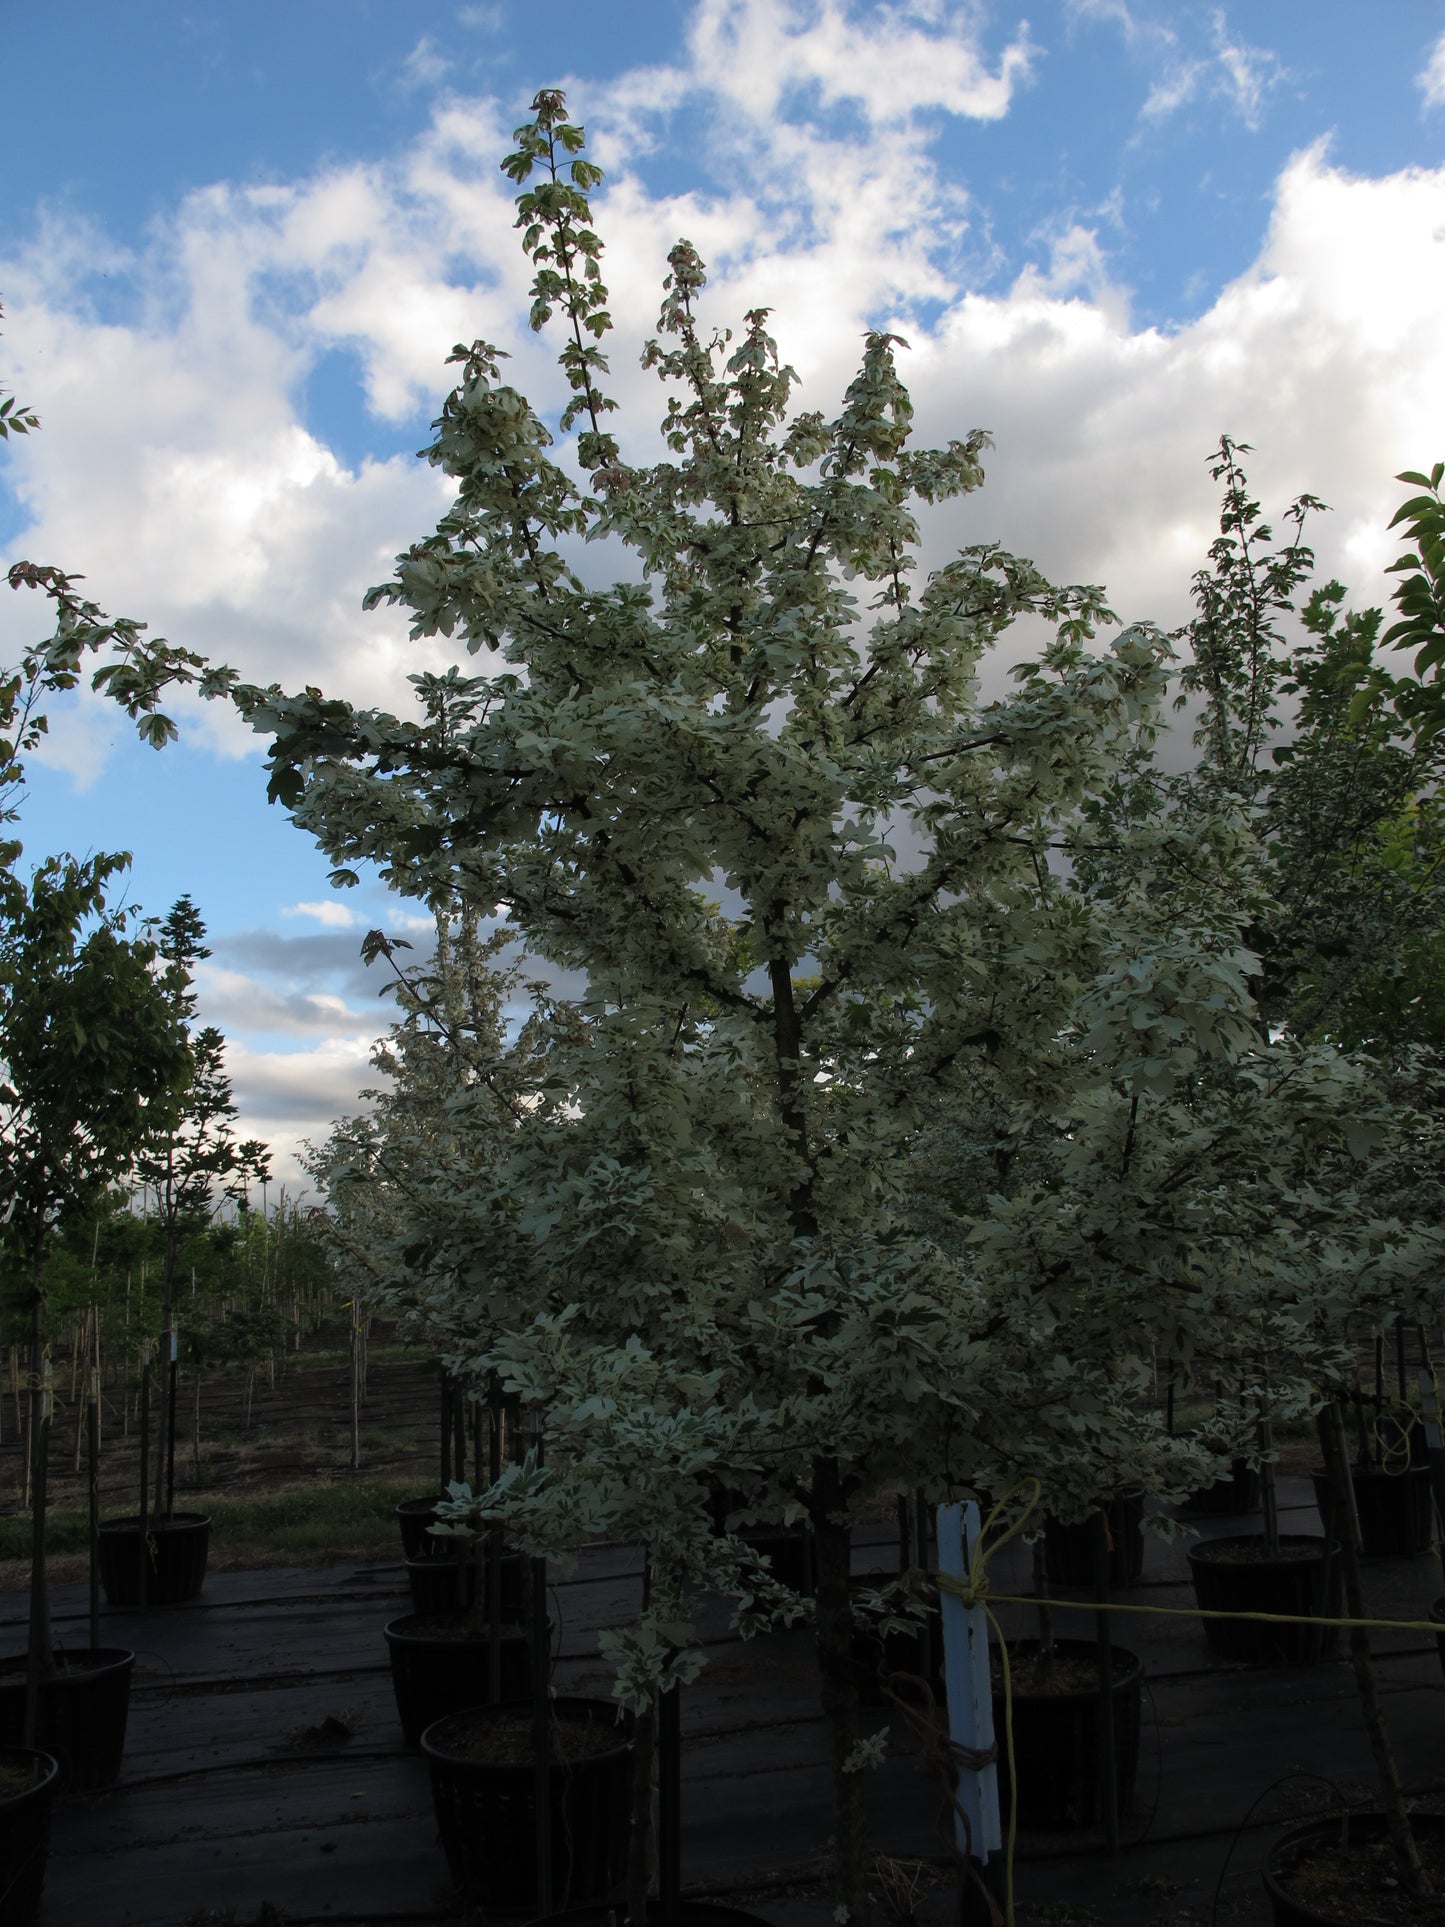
x=174, y=1551
x=1069, y=1548
x=439, y=1664
x=450, y=1585
x=484, y=1782
x=1056, y=1733
x=1395, y=1509
x=415, y=1517
x=1238, y=1575
x=1340, y=1872
x=83, y=1710
x=28, y=1785
x=1236, y=1493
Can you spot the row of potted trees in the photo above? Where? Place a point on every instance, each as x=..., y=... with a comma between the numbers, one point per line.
x=481, y=1760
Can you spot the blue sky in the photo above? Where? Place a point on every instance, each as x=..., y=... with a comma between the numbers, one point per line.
x=237, y=244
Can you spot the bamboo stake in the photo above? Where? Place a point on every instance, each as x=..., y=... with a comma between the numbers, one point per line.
x=92, y=1408
x=355, y=1390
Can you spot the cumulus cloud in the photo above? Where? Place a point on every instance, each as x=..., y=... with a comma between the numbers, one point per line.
x=239, y=1003
x=903, y=58
x=315, y=964
x=180, y=470
x=330, y=911
x=287, y=1097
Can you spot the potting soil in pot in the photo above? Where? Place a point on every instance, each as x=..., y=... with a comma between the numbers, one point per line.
x=454, y=1627
x=1360, y=1882
x=1254, y=1552
x=506, y=1740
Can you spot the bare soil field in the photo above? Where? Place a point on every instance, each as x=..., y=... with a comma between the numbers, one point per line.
x=274, y=1467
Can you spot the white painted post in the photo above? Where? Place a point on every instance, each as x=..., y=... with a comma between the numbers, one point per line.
x=969, y=1689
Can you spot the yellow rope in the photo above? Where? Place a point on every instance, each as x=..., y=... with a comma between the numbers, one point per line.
x=975, y=1591
x=977, y=1597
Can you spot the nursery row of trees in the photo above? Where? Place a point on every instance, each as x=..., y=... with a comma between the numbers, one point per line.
x=937, y=1057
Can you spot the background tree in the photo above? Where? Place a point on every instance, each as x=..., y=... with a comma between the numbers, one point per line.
x=196, y=1150
x=91, y=1060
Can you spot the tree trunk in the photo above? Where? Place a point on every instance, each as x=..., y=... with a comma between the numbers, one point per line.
x=640, y=1841
x=839, y=1692
x=40, y=1652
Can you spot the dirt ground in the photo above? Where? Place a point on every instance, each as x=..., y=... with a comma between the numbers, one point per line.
x=278, y=1438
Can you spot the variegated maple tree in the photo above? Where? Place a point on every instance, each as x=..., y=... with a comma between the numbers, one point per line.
x=833, y=923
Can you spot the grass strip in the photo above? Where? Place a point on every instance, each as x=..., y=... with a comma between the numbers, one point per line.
x=309, y=1518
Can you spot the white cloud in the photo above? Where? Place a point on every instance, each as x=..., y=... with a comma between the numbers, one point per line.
x=758, y=53
x=238, y=1003
x=425, y=66
x=330, y=911
x=285, y=1097
x=1431, y=78
x=178, y=470
x=1245, y=75
x=1219, y=66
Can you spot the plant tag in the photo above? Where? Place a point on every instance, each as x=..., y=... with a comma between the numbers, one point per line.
x=967, y=1686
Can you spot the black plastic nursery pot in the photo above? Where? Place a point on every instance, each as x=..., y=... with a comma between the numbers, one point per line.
x=1395, y=1509
x=450, y=1585
x=1339, y=1872
x=83, y=1712
x=1234, y=1575
x=29, y=1782
x=174, y=1551
x=1057, y=1743
x=1238, y=1492
x=1069, y=1549
x=438, y=1665
x=414, y=1517
x=484, y=1785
